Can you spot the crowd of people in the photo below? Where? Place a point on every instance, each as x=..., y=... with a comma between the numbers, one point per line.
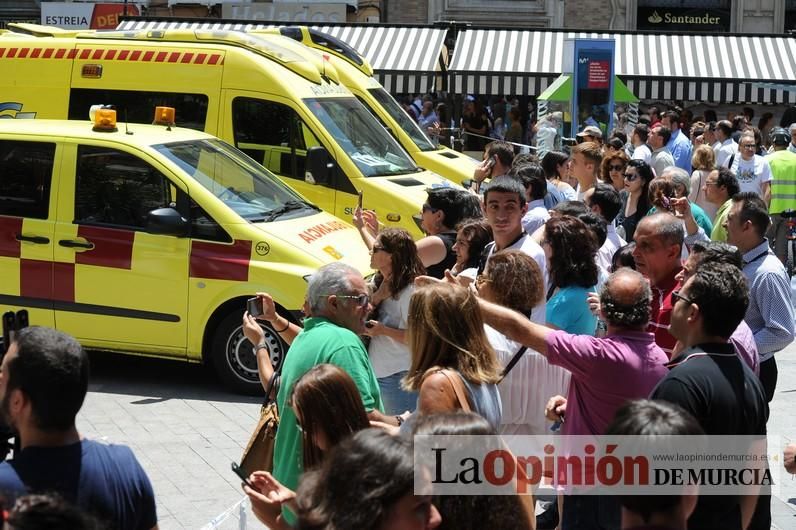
x=626, y=287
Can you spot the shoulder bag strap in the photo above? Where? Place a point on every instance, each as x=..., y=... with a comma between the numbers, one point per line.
x=514, y=360
x=458, y=388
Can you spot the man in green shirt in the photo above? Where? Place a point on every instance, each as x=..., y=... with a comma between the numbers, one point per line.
x=338, y=303
x=719, y=188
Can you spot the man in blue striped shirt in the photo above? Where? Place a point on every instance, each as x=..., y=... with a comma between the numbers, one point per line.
x=770, y=313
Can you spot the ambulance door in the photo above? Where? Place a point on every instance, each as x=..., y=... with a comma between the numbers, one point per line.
x=272, y=132
x=28, y=171
x=130, y=287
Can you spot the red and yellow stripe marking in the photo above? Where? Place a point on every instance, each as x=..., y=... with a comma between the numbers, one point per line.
x=105, y=54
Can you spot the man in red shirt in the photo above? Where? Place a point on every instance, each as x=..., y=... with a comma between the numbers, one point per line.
x=659, y=242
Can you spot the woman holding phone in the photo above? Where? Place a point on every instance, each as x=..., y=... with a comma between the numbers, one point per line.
x=328, y=409
x=440, y=214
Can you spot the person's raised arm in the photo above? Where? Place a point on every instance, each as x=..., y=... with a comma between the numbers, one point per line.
x=515, y=326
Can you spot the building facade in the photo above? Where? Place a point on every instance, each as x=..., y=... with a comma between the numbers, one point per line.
x=726, y=16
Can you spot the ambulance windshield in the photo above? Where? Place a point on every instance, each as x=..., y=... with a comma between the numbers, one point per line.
x=362, y=137
x=236, y=180
x=409, y=125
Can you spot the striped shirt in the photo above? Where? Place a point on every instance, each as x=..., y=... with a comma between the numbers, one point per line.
x=770, y=313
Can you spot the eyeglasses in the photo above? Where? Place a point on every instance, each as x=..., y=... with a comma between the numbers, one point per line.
x=481, y=279
x=677, y=296
x=710, y=183
x=748, y=146
x=428, y=207
x=620, y=167
x=630, y=177
x=361, y=299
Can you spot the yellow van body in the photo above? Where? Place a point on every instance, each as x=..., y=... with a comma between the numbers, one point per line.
x=287, y=112
x=86, y=245
x=356, y=74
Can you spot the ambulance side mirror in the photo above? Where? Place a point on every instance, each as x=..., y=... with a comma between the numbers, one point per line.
x=319, y=166
x=167, y=222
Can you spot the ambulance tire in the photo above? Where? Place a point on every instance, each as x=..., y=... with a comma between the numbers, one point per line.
x=233, y=357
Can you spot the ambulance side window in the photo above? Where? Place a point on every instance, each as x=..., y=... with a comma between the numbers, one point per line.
x=273, y=134
x=25, y=175
x=205, y=227
x=117, y=188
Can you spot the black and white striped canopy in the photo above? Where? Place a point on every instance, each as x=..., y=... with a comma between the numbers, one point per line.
x=404, y=59
x=709, y=68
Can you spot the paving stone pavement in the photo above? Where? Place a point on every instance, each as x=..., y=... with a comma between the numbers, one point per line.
x=183, y=427
x=185, y=430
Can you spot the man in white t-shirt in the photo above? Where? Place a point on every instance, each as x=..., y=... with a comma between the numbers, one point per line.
x=751, y=170
x=792, y=144
x=726, y=147
x=504, y=207
x=641, y=150
x=585, y=165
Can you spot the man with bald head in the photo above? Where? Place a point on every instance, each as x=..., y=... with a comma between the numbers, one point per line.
x=659, y=245
x=627, y=354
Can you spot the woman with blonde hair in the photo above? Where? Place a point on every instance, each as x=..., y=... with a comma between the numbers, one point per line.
x=703, y=162
x=453, y=365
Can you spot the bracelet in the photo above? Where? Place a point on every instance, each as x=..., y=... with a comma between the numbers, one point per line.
x=287, y=325
x=400, y=420
x=260, y=346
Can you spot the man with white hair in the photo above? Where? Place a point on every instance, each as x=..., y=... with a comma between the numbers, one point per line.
x=682, y=187
x=339, y=303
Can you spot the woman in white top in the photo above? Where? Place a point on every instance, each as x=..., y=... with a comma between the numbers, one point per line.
x=513, y=279
x=394, y=256
x=703, y=162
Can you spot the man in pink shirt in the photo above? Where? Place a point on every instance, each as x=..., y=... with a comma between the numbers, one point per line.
x=606, y=372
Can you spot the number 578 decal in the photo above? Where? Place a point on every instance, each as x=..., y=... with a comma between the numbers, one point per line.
x=12, y=110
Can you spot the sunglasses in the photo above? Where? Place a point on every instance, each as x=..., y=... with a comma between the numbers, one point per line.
x=630, y=177
x=620, y=167
x=428, y=207
x=677, y=296
x=378, y=248
x=361, y=299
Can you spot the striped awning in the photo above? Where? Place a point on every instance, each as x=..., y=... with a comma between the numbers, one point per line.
x=404, y=59
x=707, y=68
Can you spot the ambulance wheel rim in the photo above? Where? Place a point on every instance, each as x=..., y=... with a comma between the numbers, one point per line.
x=242, y=359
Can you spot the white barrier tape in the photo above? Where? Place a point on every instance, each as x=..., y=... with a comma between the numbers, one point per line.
x=468, y=133
x=240, y=506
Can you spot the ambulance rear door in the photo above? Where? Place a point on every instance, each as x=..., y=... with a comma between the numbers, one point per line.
x=28, y=185
x=130, y=287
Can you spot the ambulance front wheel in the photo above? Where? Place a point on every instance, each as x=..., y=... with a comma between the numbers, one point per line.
x=233, y=356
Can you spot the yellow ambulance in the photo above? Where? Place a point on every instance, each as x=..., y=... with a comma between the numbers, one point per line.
x=355, y=72
x=289, y=113
x=149, y=239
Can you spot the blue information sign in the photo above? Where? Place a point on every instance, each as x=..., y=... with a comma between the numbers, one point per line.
x=593, y=94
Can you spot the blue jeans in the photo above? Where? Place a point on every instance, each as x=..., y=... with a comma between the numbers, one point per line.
x=396, y=400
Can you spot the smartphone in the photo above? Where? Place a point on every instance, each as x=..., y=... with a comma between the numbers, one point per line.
x=254, y=306
x=359, y=199
x=242, y=474
x=491, y=162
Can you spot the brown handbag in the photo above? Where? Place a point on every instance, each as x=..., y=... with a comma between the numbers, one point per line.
x=259, y=452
